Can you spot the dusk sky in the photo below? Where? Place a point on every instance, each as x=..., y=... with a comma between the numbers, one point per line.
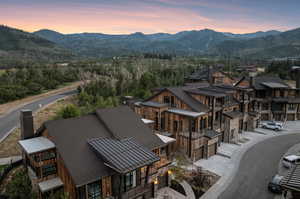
x=150, y=16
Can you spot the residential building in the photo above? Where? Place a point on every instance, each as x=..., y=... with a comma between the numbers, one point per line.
x=199, y=115
x=213, y=75
x=273, y=98
x=111, y=153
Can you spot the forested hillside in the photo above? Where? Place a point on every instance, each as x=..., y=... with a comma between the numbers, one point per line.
x=286, y=44
x=17, y=44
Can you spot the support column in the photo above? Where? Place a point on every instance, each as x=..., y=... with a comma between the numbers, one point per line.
x=213, y=112
x=190, y=137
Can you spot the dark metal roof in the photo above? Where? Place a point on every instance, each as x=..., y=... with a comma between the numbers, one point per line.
x=189, y=100
x=258, y=82
x=123, y=123
x=153, y=104
x=70, y=137
x=203, y=73
x=292, y=179
x=211, y=133
x=274, y=85
x=206, y=92
x=123, y=155
x=233, y=114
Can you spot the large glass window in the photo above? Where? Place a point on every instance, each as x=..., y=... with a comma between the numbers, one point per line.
x=130, y=180
x=48, y=155
x=49, y=169
x=94, y=190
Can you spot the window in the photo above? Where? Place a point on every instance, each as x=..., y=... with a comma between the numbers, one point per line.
x=175, y=123
x=180, y=125
x=291, y=107
x=130, y=180
x=173, y=101
x=94, y=190
x=193, y=125
x=156, y=121
x=162, y=122
x=48, y=155
x=265, y=106
x=48, y=170
x=166, y=99
x=203, y=123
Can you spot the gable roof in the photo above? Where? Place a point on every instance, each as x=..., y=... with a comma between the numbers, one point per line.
x=182, y=94
x=70, y=137
x=123, y=123
x=266, y=81
x=189, y=100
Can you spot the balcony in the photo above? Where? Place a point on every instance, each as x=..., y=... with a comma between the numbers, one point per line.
x=195, y=135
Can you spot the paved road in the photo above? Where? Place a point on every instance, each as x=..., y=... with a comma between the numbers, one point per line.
x=257, y=167
x=11, y=120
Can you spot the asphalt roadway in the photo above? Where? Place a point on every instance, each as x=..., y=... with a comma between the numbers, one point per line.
x=257, y=167
x=11, y=120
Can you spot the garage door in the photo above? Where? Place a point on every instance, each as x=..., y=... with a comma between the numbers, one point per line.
x=290, y=117
x=199, y=153
x=212, y=149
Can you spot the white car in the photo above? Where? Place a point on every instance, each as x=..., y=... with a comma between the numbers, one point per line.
x=290, y=160
x=276, y=126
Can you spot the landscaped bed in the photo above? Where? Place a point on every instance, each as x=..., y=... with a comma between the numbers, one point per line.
x=200, y=180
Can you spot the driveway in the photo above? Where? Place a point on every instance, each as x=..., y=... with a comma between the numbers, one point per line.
x=246, y=169
x=11, y=120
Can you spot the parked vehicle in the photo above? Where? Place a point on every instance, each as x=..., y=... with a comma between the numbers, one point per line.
x=290, y=160
x=274, y=186
x=276, y=126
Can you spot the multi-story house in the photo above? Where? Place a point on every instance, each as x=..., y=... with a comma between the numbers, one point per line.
x=111, y=153
x=273, y=98
x=199, y=116
x=213, y=75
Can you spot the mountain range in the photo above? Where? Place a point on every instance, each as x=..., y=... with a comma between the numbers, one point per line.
x=17, y=44
x=49, y=44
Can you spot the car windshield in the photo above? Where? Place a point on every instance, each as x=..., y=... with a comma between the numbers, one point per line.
x=276, y=180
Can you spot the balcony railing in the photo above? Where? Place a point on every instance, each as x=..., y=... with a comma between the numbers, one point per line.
x=137, y=191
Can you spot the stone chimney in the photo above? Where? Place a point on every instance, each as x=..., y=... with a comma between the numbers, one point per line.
x=26, y=124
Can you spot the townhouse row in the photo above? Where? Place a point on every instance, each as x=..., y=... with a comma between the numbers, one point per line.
x=214, y=108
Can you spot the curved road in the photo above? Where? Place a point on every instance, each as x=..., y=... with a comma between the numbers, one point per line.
x=11, y=120
x=258, y=165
